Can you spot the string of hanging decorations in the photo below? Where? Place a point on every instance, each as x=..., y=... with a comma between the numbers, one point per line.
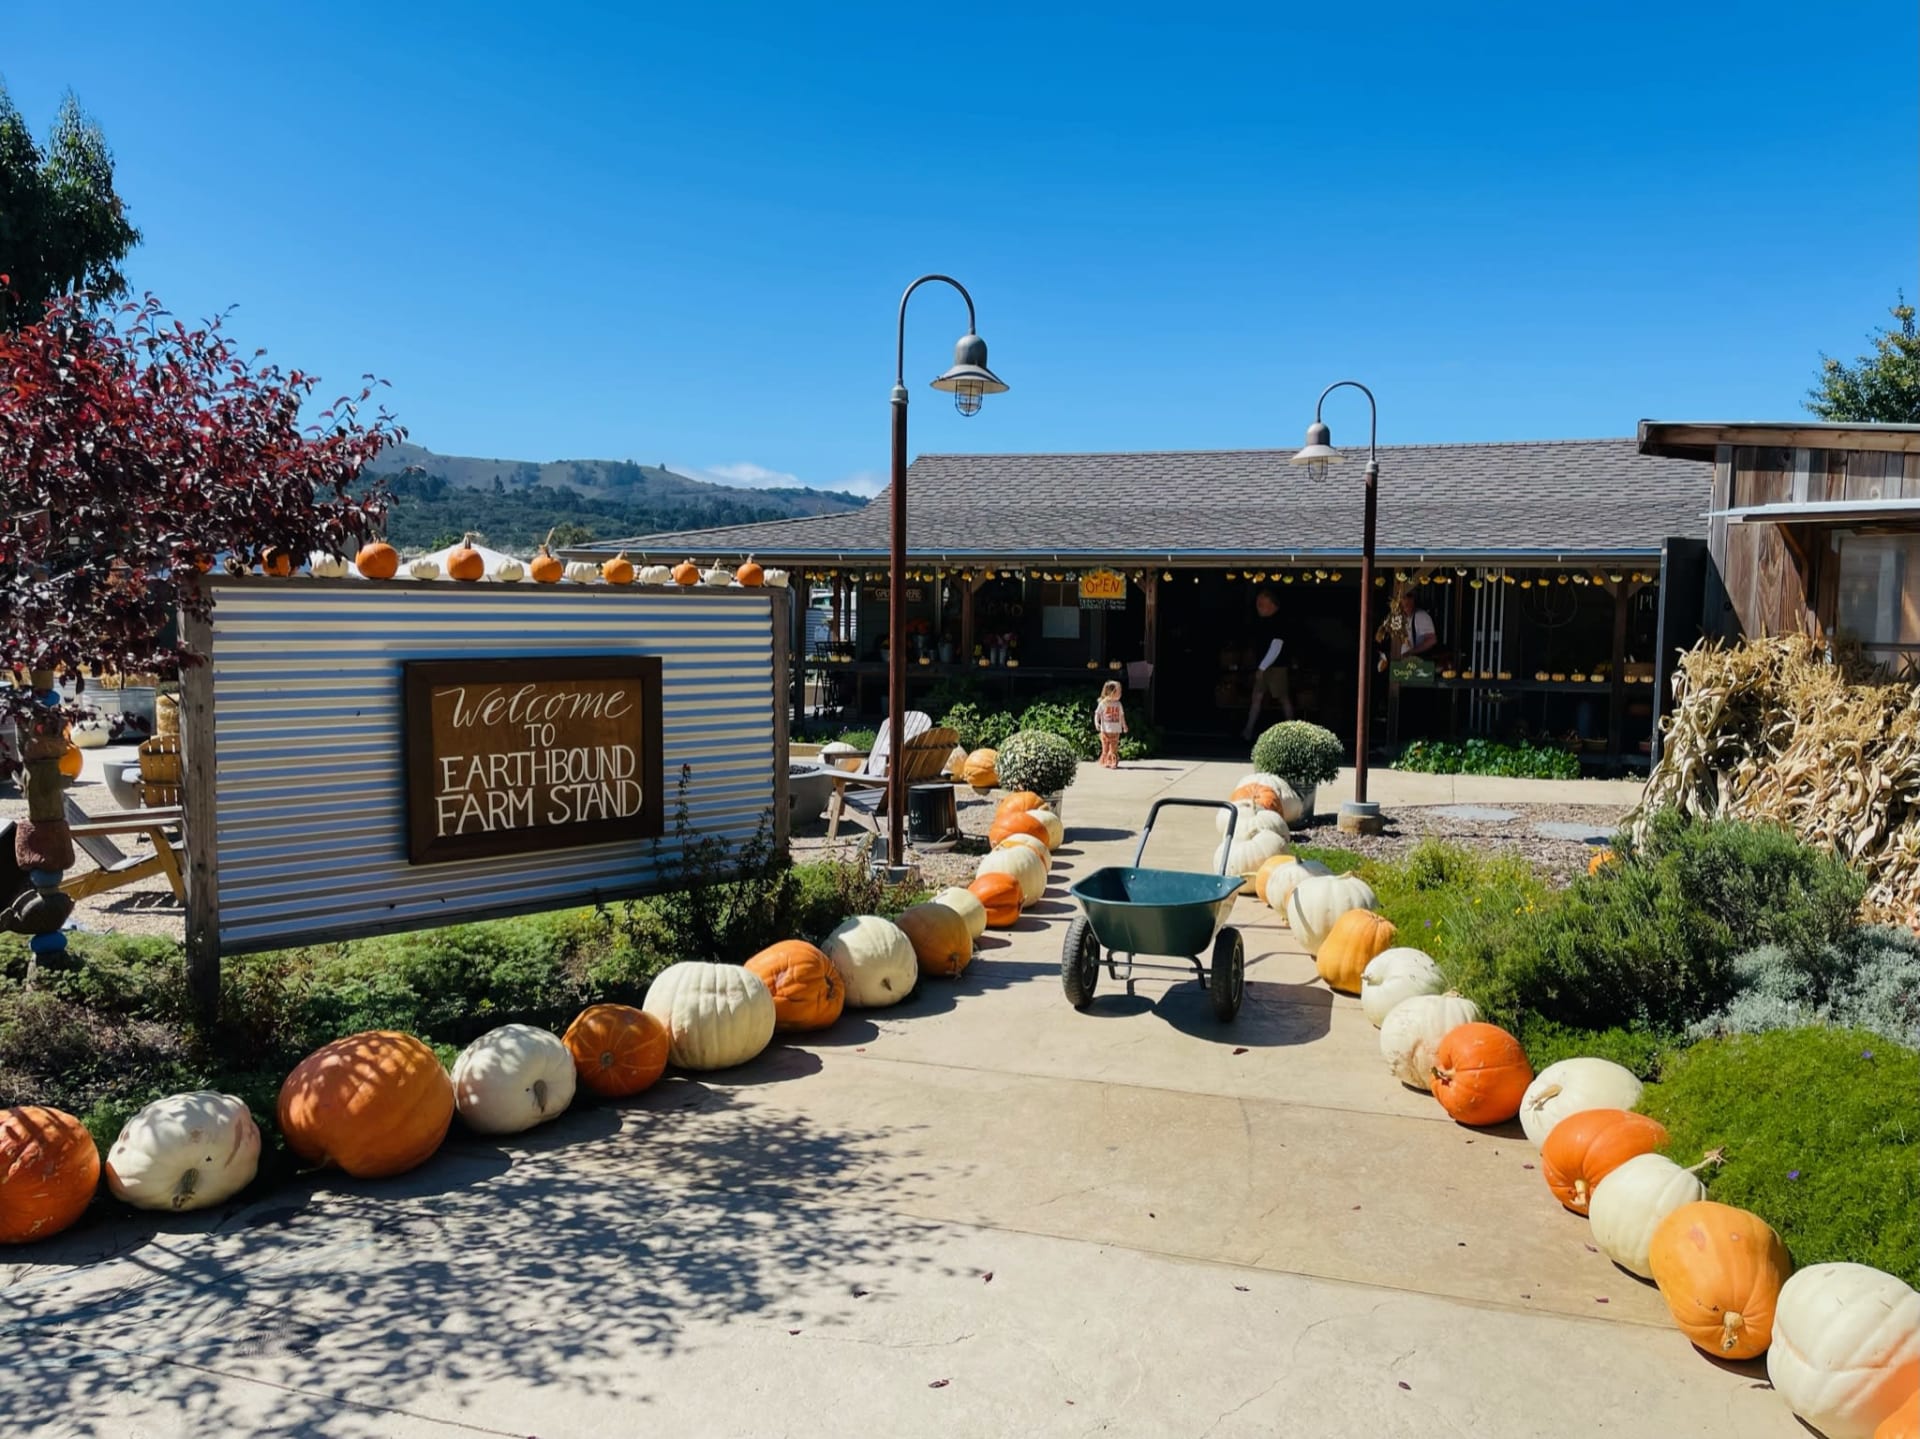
x=1285, y=575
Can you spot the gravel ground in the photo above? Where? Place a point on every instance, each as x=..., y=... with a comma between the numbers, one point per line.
x=146, y=907
x=1559, y=858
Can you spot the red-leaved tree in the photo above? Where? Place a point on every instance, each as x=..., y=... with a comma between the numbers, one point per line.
x=134, y=453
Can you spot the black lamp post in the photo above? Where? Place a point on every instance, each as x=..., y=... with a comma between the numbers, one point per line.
x=1316, y=455
x=968, y=381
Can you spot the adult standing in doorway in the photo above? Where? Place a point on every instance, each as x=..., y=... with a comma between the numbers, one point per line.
x=1416, y=633
x=1270, y=674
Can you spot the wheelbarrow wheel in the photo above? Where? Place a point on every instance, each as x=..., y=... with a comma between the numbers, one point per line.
x=1080, y=963
x=1227, y=980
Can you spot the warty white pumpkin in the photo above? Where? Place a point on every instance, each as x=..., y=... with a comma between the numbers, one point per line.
x=1247, y=818
x=1284, y=880
x=1316, y=905
x=582, y=572
x=327, y=567
x=1628, y=1205
x=1023, y=864
x=424, y=568
x=654, y=575
x=717, y=1015
x=875, y=959
x=1846, y=1347
x=1413, y=1029
x=719, y=576
x=1245, y=853
x=1396, y=974
x=776, y=578
x=187, y=1151
x=966, y=904
x=1571, y=1085
x=513, y=1078
x=509, y=571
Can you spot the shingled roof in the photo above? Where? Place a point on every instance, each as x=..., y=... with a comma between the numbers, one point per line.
x=1532, y=500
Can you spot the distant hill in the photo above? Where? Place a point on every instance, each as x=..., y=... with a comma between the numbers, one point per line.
x=514, y=503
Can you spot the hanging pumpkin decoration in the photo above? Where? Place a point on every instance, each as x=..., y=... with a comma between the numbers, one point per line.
x=327, y=567
x=375, y=1104
x=187, y=1151
x=1720, y=1270
x=377, y=560
x=941, y=944
x=424, y=568
x=617, y=1050
x=686, y=573
x=1479, y=1074
x=1571, y=1085
x=1585, y=1148
x=1018, y=822
x=1356, y=938
x=465, y=563
x=72, y=765
x=1000, y=897
x=546, y=567
x=808, y=992
x=1846, y=1351
x=982, y=770
x=49, y=1169
x=276, y=560
x=618, y=570
x=750, y=573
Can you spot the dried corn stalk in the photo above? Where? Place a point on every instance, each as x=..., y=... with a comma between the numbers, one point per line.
x=1771, y=730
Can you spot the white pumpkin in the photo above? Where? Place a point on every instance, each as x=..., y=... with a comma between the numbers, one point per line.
x=1846, y=1347
x=1245, y=853
x=1413, y=1029
x=1628, y=1205
x=966, y=904
x=837, y=755
x=187, y=1151
x=327, y=567
x=1025, y=866
x=1056, y=829
x=1271, y=781
x=875, y=959
x=1293, y=805
x=513, y=1078
x=719, y=576
x=1396, y=974
x=582, y=572
x=654, y=575
x=1248, y=818
x=717, y=1015
x=509, y=571
x=1571, y=1085
x=776, y=578
x=1316, y=905
x=1031, y=842
x=424, y=568
x=1284, y=879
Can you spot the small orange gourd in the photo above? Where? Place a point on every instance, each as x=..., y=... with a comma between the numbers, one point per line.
x=276, y=561
x=377, y=560
x=1017, y=822
x=1356, y=937
x=751, y=574
x=464, y=562
x=49, y=1169
x=1586, y=1147
x=686, y=573
x=617, y=1050
x=618, y=570
x=72, y=762
x=1260, y=796
x=1000, y=895
x=1720, y=1270
x=1600, y=859
x=807, y=990
x=1480, y=1074
x=545, y=566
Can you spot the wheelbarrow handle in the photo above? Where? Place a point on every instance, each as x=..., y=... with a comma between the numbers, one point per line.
x=1226, y=849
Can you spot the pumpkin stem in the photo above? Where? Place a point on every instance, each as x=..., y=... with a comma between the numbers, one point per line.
x=1445, y=1076
x=183, y=1191
x=1580, y=1194
x=1540, y=1102
x=549, y=539
x=1711, y=1159
x=1730, y=1326
x=540, y=1095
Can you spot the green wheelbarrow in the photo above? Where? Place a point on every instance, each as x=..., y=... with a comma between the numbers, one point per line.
x=1163, y=913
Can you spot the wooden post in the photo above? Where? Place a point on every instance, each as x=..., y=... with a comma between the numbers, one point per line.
x=197, y=797
x=782, y=682
x=1150, y=636
x=1617, y=705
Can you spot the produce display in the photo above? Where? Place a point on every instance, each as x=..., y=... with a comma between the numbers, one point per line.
x=1284, y=878
x=1629, y=1205
x=1846, y=1350
x=1479, y=1074
x=966, y=904
x=942, y=947
x=1027, y=870
x=1585, y=1148
x=49, y=1169
x=1001, y=897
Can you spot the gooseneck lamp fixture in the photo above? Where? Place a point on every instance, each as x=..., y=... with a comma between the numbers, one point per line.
x=969, y=381
x=1316, y=455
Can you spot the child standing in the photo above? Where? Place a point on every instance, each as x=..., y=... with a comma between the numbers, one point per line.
x=1111, y=721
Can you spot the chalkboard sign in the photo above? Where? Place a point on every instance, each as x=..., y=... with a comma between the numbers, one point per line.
x=519, y=755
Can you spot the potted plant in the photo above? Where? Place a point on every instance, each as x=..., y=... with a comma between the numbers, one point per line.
x=1041, y=762
x=1305, y=755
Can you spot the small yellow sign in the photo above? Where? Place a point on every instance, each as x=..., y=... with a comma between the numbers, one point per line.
x=1102, y=587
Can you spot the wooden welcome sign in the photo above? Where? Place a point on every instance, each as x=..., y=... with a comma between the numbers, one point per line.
x=519, y=755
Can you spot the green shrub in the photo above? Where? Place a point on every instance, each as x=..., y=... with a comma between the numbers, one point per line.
x=1043, y=763
x=860, y=739
x=1638, y=1050
x=1067, y=721
x=977, y=728
x=1481, y=756
x=1304, y=755
x=1820, y=1139
x=1868, y=979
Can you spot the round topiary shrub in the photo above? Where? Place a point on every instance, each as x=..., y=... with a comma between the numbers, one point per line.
x=1304, y=755
x=1032, y=759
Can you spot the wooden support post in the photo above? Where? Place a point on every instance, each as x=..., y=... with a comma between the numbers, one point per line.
x=1617, y=705
x=782, y=682
x=197, y=797
x=1151, y=638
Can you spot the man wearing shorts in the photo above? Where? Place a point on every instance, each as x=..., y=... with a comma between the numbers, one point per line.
x=1270, y=678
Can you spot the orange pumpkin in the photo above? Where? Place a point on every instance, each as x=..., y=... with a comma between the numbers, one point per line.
x=1586, y=1147
x=375, y=1104
x=464, y=562
x=72, y=762
x=1260, y=796
x=1480, y=1074
x=49, y=1168
x=982, y=769
x=686, y=573
x=1019, y=822
x=618, y=570
x=377, y=560
x=1600, y=859
x=276, y=561
x=1356, y=937
x=751, y=574
x=941, y=941
x=617, y=1050
x=807, y=990
x=546, y=567
x=1904, y=1422
x=1267, y=867
x=1720, y=1270
x=1020, y=801
x=1000, y=893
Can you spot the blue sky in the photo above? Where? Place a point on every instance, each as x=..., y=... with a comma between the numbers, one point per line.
x=561, y=231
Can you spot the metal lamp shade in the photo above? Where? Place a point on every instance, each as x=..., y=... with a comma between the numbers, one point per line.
x=1318, y=452
x=970, y=380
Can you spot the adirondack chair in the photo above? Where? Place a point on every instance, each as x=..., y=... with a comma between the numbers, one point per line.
x=117, y=868
x=925, y=759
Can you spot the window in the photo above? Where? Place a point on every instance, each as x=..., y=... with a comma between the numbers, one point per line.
x=1879, y=594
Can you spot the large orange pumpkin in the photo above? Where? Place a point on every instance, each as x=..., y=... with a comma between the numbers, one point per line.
x=1260, y=796
x=1000, y=893
x=546, y=567
x=617, y=1050
x=465, y=562
x=375, y=1104
x=941, y=941
x=1586, y=1147
x=49, y=1168
x=1018, y=802
x=377, y=560
x=1356, y=937
x=982, y=769
x=1904, y=1422
x=1720, y=1270
x=807, y=990
x=1480, y=1074
x=1017, y=822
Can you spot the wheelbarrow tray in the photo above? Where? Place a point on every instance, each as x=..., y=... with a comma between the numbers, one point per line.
x=1155, y=911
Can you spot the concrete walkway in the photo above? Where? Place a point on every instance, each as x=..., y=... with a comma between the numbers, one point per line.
x=980, y=1213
